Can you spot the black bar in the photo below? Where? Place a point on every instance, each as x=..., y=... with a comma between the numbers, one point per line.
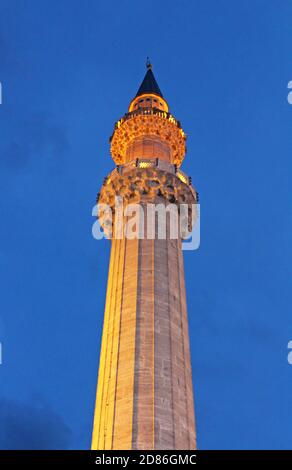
x=125, y=459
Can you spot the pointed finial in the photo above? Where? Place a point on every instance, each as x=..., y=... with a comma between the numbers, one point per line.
x=148, y=64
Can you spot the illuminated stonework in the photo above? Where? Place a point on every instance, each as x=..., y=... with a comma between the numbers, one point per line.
x=148, y=122
x=144, y=396
x=154, y=183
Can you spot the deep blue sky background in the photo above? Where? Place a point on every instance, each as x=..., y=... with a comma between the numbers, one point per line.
x=69, y=70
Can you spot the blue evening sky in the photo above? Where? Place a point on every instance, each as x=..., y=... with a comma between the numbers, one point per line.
x=68, y=71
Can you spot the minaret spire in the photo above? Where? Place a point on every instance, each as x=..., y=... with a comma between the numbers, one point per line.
x=149, y=84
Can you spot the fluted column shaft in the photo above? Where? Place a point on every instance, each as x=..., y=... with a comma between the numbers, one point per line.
x=144, y=396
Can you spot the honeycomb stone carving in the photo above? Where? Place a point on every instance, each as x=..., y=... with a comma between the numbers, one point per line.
x=150, y=185
x=148, y=125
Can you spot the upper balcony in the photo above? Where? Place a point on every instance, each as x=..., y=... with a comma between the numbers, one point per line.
x=144, y=123
x=148, y=111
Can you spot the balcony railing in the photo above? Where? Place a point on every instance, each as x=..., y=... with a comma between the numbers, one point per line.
x=147, y=112
x=151, y=163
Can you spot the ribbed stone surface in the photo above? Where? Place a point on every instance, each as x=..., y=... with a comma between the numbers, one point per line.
x=144, y=396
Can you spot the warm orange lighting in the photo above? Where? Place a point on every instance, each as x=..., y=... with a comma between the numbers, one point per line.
x=182, y=177
x=145, y=164
x=148, y=122
x=157, y=102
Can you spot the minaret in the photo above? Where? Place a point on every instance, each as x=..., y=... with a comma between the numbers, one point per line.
x=145, y=395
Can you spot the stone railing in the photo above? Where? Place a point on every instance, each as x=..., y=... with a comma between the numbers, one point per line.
x=154, y=163
x=144, y=164
x=146, y=112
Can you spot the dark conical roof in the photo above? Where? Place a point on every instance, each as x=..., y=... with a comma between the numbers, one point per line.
x=149, y=84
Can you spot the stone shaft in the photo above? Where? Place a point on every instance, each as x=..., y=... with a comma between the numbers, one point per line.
x=144, y=396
